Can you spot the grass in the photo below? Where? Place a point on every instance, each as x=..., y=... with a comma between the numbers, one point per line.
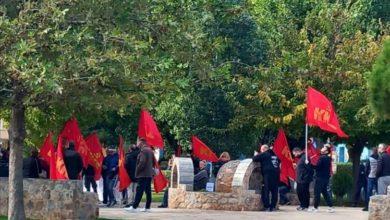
x=156, y=197
x=3, y=218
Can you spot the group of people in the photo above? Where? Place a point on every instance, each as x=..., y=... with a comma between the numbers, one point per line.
x=305, y=174
x=374, y=175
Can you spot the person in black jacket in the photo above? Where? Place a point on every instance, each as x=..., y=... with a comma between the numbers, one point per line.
x=130, y=165
x=304, y=176
x=32, y=166
x=323, y=170
x=89, y=178
x=361, y=184
x=73, y=162
x=383, y=170
x=270, y=170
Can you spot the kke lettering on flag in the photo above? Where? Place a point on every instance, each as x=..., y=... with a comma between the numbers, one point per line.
x=282, y=151
x=71, y=132
x=46, y=150
x=60, y=169
x=320, y=112
x=201, y=151
x=95, y=158
x=147, y=129
x=124, y=179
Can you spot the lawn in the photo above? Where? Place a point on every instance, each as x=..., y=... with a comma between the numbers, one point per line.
x=156, y=197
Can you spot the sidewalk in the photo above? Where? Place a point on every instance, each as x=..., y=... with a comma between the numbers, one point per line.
x=286, y=212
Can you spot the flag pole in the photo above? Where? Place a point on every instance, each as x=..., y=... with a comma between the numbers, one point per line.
x=306, y=134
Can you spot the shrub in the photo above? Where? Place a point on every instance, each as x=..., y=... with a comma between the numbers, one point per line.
x=342, y=181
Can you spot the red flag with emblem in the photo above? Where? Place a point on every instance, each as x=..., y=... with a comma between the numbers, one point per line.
x=201, y=151
x=312, y=153
x=95, y=154
x=71, y=132
x=320, y=112
x=159, y=180
x=47, y=146
x=124, y=179
x=60, y=172
x=147, y=129
x=282, y=151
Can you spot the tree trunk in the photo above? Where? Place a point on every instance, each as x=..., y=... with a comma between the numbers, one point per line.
x=355, y=153
x=17, y=135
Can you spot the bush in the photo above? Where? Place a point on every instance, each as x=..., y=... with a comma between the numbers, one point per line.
x=342, y=181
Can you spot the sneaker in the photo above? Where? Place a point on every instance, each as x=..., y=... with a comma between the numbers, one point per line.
x=331, y=210
x=365, y=209
x=131, y=209
x=145, y=210
x=313, y=210
x=162, y=206
x=299, y=208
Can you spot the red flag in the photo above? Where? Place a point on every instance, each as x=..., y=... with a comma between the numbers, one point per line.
x=60, y=172
x=388, y=149
x=320, y=112
x=312, y=154
x=124, y=179
x=71, y=132
x=95, y=154
x=201, y=151
x=159, y=180
x=47, y=146
x=282, y=151
x=148, y=130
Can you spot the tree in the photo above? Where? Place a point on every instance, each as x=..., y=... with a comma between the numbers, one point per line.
x=379, y=83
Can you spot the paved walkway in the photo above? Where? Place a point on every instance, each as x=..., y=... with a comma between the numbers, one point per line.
x=286, y=212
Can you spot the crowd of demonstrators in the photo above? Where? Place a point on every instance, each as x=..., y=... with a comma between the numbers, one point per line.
x=130, y=165
x=110, y=173
x=144, y=172
x=270, y=170
x=32, y=166
x=321, y=180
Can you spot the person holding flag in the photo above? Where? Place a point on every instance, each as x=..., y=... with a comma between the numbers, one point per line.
x=73, y=162
x=270, y=169
x=322, y=176
x=304, y=176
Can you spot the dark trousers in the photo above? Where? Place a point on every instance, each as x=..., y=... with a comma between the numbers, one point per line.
x=303, y=194
x=271, y=181
x=110, y=189
x=361, y=185
x=105, y=190
x=283, y=190
x=88, y=181
x=144, y=185
x=165, y=199
x=372, y=185
x=321, y=187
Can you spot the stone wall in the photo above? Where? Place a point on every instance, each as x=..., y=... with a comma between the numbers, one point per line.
x=241, y=200
x=48, y=199
x=379, y=208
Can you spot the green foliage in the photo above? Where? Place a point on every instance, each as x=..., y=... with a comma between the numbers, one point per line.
x=379, y=83
x=342, y=180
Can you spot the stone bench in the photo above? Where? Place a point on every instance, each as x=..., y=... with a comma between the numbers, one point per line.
x=48, y=199
x=379, y=207
x=237, y=187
